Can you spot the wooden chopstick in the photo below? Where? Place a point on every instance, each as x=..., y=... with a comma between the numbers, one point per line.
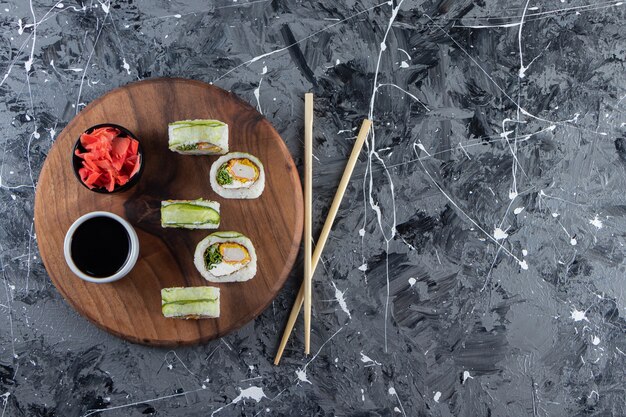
x=308, y=204
x=332, y=212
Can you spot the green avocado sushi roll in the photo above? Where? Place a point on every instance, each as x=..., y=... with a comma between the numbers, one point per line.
x=190, y=302
x=198, y=137
x=190, y=214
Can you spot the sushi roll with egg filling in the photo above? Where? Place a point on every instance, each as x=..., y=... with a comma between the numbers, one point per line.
x=238, y=175
x=226, y=257
x=198, y=137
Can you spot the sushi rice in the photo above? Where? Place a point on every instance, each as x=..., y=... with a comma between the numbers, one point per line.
x=226, y=183
x=217, y=248
x=198, y=137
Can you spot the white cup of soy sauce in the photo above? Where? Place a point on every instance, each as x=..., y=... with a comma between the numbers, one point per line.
x=101, y=247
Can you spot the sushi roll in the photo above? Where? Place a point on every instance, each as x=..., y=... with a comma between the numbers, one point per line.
x=190, y=214
x=226, y=257
x=190, y=302
x=238, y=175
x=198, y=137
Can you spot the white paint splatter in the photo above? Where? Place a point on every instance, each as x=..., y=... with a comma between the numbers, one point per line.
x=361, y=232
x=178, y=16
x=522, y=68
x=596, y=341
x=412, y=281
x=362, y=395
x=579, y=315
x=404, y=64
x=152, y=400
x=5, y=398
x=301, y=374
x=524, y=252
x=367, y=359
x=250, y=393
x=596, y=222
x=419, y=145
x=437, y=396
x=125, y=65
x=363, y=267
x=466, y=376
x=264, y=70
x=500, y=234
x=523, y=265
x=105, y=7
x=397, y=410
x=518, y=210
x=60, y=5
x=341, y=300
x=392, y=391
x=555, y=215
x=573, y=241
x=257, y=95
x=337, y=62
x=407, y=54
x=512, y=194
x=410, y=95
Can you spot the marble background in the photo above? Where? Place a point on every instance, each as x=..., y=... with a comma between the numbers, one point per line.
x=477, y=264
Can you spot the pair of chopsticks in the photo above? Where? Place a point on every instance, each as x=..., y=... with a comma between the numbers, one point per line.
x=310, y=261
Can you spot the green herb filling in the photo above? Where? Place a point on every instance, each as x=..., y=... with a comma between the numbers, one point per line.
x=187, y=147
x=223, y=177
x=212, y=256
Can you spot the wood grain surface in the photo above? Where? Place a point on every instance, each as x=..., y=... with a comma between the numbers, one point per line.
x=131, y=308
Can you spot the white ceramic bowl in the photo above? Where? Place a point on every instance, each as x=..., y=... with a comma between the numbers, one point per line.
x=130, y=261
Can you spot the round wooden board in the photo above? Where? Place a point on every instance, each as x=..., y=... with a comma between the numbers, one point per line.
x=131, y=308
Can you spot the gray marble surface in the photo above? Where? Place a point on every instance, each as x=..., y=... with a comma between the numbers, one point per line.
x=477, y=264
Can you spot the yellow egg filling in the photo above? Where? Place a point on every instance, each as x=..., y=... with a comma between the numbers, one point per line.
x=234, y=253
x=242, y=170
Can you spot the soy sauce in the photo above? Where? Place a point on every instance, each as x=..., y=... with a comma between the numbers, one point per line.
x=100, y=246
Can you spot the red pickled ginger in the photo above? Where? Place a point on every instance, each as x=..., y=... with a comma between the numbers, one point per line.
x=109, y=159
